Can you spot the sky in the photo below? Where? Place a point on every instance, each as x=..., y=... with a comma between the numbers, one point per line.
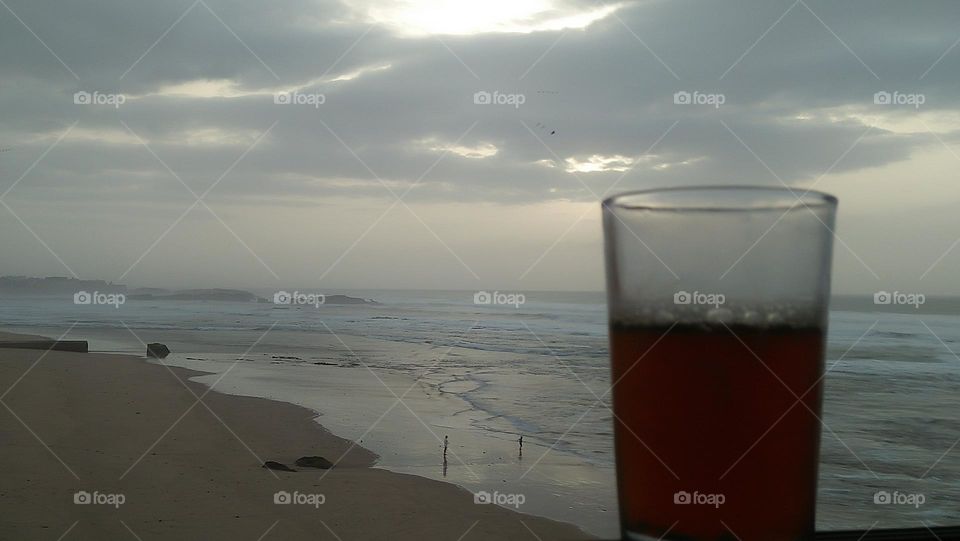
x=460, y=145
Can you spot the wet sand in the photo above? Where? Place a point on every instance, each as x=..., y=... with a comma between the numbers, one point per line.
x=133, y=435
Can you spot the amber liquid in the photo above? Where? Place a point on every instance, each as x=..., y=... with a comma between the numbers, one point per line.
x=724, y=424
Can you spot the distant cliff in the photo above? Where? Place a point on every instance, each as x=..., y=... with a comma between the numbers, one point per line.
x=216, y=294
x=55, y=285
x=232, y=295
x=61, y=286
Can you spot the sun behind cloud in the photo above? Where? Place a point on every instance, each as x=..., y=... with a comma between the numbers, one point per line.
x=456, y=17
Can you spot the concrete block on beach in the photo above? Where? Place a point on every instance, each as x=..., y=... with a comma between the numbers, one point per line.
x=77, y=346
x=157, y=350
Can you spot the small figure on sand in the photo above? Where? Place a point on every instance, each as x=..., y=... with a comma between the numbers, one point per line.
x=520, y=441
x=446, y=443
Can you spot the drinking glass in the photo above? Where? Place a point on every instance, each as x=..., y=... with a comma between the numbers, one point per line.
x=717, y=300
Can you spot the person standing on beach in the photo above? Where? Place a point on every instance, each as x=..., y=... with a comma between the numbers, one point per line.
x=446, y=442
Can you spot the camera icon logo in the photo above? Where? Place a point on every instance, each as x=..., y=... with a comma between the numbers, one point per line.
x=282, y=297
x=682, y=297
x=882, y=497
x=682, y=498
x=482, y=98
x=281, y=98
x=482, y=498
x=882, y=297
x=882, y=98
x=82, y=497
x=482, y=297
x=82, y=98
x=682, y=98
x=82, y=297
x=282, y=498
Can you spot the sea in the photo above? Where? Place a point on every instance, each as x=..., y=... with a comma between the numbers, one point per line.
x=441, y=386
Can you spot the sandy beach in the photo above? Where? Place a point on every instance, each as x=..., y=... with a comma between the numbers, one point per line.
x=159, y=463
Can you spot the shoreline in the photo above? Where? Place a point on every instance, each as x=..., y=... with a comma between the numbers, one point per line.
x=107, y=424
x=351, y=400
x=468, y=399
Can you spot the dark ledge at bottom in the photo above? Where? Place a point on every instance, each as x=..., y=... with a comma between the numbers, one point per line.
x=945, y=533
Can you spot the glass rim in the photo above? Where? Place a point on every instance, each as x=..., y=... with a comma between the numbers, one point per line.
x=737, y=198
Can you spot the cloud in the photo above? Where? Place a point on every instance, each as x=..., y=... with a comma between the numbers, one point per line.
x=450, y=17
x=596, y=92
x=398, y=112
